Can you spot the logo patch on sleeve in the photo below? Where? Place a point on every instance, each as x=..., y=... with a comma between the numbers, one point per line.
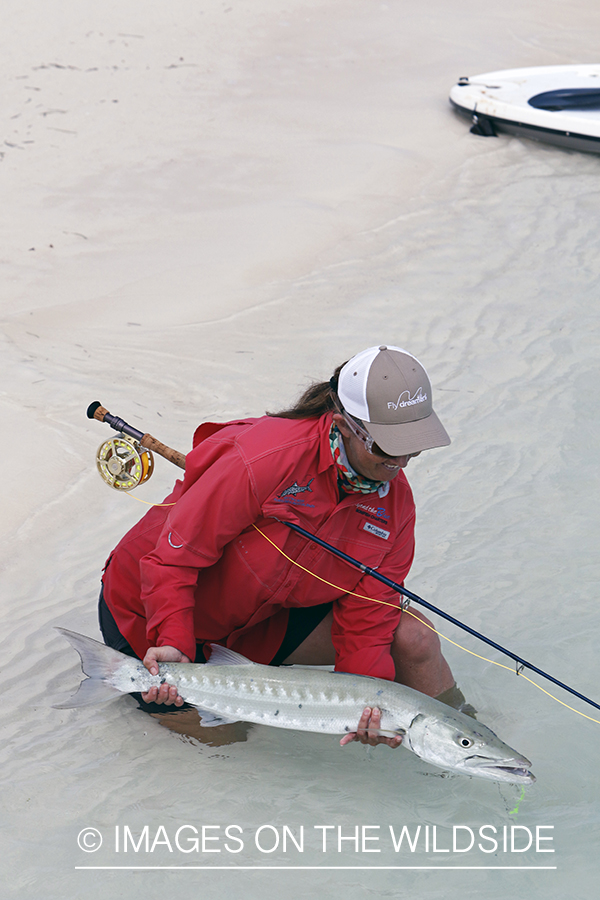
x=375, y=529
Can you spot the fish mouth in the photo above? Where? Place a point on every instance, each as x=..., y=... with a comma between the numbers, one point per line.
x=515, y=771
x=514, y=774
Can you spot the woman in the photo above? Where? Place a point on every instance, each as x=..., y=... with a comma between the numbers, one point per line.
x=217, y=562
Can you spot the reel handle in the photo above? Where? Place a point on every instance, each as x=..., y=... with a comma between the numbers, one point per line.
x=97, y=411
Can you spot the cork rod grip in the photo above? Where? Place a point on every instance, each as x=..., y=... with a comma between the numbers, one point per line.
x=174, y=456
x=97, y=411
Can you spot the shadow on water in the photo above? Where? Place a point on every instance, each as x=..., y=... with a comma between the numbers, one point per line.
x=186, y=722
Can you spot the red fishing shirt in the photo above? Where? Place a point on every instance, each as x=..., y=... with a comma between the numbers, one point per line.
x=199, y=571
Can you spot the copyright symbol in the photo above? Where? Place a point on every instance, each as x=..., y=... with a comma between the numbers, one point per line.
x=89, y=839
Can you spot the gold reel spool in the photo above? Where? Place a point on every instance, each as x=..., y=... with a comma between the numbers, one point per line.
x=123, y=463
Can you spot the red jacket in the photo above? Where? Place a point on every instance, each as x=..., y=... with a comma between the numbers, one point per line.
x=199, y=571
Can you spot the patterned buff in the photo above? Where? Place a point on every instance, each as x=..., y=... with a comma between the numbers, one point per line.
x=349, y=480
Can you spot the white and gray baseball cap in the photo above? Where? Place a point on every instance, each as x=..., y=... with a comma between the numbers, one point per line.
x=388, y=389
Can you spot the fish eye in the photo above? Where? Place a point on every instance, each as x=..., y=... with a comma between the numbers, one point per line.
x=465, y=742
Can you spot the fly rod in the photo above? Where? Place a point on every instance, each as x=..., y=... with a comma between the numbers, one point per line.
x=125, y=460
x=97, y=411
x=367, y=570
x=123, y=466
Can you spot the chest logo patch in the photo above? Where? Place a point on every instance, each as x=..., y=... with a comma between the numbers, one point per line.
x=376, y=530
x=296, y=488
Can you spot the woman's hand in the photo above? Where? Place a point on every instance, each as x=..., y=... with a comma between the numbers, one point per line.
x=367, y=731
x=166, y=693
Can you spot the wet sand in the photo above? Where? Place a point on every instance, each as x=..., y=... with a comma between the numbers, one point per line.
x=206, y=206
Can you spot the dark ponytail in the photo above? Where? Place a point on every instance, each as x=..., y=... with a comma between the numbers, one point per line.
x=318, y=399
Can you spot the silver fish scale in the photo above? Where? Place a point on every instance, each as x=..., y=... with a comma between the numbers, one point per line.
x=298, y=698
x=306, y=699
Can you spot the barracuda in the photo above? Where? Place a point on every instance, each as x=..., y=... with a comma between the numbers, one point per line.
x=231, y=688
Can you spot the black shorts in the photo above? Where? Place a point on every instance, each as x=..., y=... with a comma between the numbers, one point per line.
x=302, y=621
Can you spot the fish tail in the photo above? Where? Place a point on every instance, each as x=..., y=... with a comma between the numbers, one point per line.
x=99, y=662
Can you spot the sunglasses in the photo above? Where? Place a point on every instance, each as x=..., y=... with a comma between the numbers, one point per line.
x=357, y=428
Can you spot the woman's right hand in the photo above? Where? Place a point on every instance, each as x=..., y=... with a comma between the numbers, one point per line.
x=165, y=694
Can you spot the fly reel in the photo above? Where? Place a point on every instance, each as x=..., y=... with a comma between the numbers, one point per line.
x=126, y=459
x=123, y=463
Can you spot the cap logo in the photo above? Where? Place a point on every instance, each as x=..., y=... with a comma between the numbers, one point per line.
x=406, y=400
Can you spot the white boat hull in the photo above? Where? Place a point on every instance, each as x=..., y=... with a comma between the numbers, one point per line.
x=500, y=102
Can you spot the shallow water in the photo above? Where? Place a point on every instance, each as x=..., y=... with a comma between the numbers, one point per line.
x=481, y=257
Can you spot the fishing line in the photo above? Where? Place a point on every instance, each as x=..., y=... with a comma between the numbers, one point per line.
x=514, y=811
x=427, y=625
x=520, y=663
x=139, y=500
x=124, y=463
x=403, y=609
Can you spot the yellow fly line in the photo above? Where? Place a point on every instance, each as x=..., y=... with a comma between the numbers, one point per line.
x=426, y=624
x=139, y=500
x=404, y=610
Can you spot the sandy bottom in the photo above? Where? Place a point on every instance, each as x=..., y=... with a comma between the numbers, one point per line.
x=206, y=205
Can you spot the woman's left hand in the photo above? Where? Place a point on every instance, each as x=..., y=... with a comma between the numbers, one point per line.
x=367, y=731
